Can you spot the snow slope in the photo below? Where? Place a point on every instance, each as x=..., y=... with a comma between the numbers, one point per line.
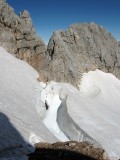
x=91, y=114
x=20, y=125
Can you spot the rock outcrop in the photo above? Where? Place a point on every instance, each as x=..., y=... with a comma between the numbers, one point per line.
x=71, y=150
x=83, y=47
x=17, y=36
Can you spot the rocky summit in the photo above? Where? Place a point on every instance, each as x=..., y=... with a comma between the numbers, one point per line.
x=17, y=35
x=83, y=47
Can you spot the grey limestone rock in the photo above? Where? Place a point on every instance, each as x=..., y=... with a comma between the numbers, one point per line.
x=83, y=47
x=17, y=35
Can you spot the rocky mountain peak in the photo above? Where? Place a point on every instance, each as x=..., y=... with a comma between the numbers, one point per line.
x=82, y=47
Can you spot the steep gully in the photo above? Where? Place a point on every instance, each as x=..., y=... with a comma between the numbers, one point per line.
x=52, y=109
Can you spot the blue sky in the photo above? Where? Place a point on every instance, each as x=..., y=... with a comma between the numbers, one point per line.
x=51, y=15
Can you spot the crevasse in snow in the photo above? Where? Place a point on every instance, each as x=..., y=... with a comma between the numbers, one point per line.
x=95, y=109
x=50, y=97
x=90, y=114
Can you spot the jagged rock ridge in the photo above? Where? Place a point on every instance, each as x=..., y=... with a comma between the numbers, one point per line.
x=17, y=36
x=83, y=47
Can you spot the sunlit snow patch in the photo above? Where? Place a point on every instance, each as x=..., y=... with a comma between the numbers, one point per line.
x=96, y=82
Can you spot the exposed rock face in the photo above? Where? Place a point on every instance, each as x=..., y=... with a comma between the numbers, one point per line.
x=17, y=35
x=71, y=150
x=83, y=47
